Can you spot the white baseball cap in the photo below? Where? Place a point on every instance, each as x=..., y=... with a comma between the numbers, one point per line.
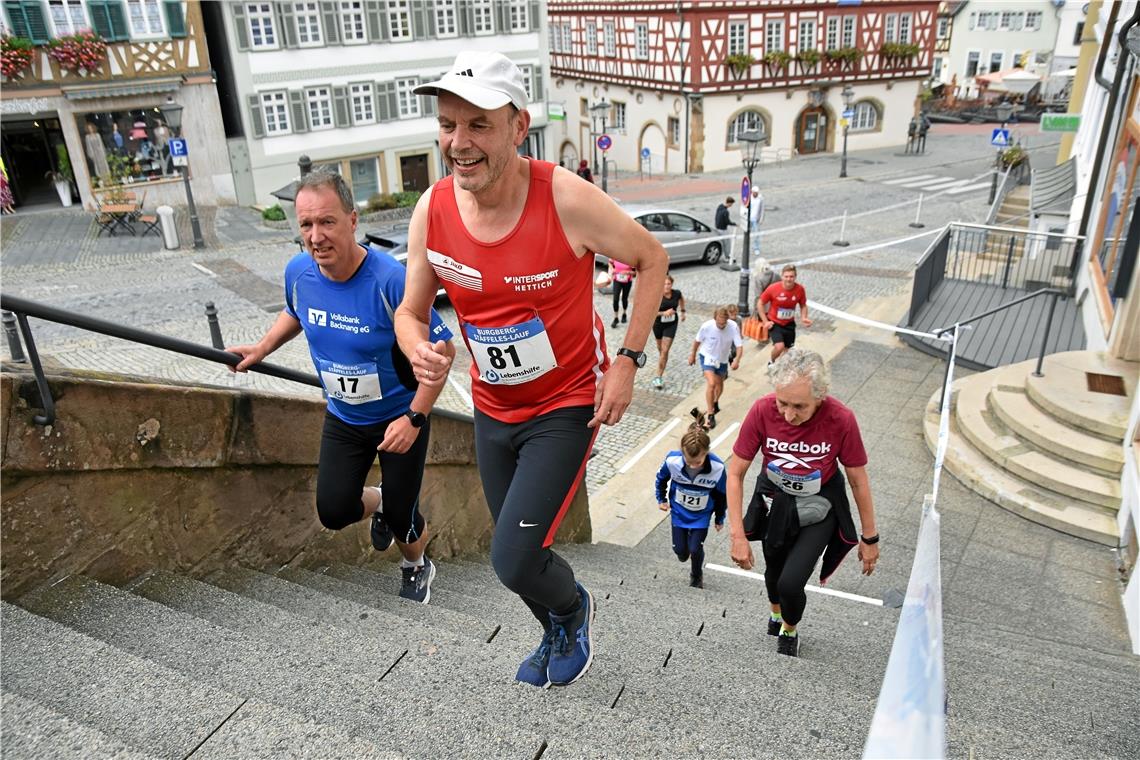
x=487, y=80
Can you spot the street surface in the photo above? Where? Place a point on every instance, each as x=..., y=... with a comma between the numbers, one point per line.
x=54, y=257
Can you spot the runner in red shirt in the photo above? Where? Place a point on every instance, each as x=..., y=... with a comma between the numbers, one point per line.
x=511, y=239
x=780, y=313
x=803, y=436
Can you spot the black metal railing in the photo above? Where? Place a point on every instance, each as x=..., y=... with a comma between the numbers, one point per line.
x=1011, y=258
x=22, y=308
x=928, y=273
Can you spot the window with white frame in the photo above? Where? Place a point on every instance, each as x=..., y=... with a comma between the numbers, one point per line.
x=445, y=23
x=520, y=18
x=737, y=37
x=275, y=111
x=619, y=116
x=988, y=20
x=746, y=121
x=362, y=102
x=943, y=28
x=407, y=102
x=1033, y=20
x=1012, y=21
x=567, y=38
x=259, y=19
x=890, y=27
x=973, y=59
x=832, y=33
x=307, y=21
x=641, y=40
x=352, y=22
x=528, y=81
x=146, y=18
x=937, y=70
x=555, y=39
x=67, y=16
x=807, y=35
x=866, y=117
x=483, y=16
x=319, y=103
x=773, y=35
x=848, y=31
x=674, y=130
x=399, y=20
x=904, y=28
x=610, y=36
x=591, y=33
x=997, y=60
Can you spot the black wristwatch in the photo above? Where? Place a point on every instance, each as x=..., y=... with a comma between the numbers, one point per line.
x=417, y=418
x=637, y=356
x=870, y=541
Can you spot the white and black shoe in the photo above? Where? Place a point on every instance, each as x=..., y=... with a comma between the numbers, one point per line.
x=416, y=583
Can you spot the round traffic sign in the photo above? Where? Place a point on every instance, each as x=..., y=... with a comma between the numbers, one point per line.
x=745, y=191
x=645, y=152
x=605, y=142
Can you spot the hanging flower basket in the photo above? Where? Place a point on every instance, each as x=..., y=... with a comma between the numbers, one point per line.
x=81, y=52
x=15, y=55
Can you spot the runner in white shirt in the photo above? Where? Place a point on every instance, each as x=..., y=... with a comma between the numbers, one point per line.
x=714, y=343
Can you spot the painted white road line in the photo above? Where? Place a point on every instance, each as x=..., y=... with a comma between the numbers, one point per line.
x=814, y=589
x=911, y=178
x=923, y=182
x=968, y=188
x=203, y=269
x=727, y=432
x=653, y=442
x=947, y=185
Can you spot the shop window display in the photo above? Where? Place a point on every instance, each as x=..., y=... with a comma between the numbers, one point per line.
x=126, y=147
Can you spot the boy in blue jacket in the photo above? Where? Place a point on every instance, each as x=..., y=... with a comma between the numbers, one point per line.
x=690, y=485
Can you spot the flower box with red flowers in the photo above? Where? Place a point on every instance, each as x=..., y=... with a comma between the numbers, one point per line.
x=81, y=52
x=15, y=55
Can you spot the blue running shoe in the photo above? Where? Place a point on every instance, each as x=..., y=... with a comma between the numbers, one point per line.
x=573, y=648
x=533, y=668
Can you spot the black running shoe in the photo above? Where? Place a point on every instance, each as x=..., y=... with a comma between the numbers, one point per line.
x=614, y=323
x=416, y=585
x=789, y=645
x=774, y=627
x=716, y=407
x=710, y=421
x=696, y=581
x=380, y=532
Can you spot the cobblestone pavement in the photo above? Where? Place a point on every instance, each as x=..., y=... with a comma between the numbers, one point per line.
x=55, y=258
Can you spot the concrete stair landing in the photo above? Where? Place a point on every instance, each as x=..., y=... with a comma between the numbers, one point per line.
x=1047, y=448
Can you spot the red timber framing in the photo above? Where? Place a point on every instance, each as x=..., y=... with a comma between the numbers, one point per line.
x=684, y=45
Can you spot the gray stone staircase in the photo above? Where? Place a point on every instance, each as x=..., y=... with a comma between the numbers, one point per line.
x=327, y=662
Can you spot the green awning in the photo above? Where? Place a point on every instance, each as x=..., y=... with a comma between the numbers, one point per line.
x=121, y=89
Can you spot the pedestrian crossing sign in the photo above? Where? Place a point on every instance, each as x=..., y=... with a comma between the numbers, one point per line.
x=1000, y=138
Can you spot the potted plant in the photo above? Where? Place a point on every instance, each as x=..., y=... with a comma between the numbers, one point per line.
x=898, y=51
x=777, y=60
x=1013, y=157
x=15, y=55
x=80, y=52
x=808, y=59
x=61, y=175
x=739, y=63
x=844, y=55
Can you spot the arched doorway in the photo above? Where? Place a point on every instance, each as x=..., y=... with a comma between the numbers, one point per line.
x=568, y=156
x=652, y=138
x=812, y=126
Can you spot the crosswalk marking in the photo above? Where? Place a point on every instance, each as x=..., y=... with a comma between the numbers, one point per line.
x=947, y=185
x=924, y=182
x=911, y=178
x=968, y=188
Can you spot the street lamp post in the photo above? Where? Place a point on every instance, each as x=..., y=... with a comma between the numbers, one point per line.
x=751, y=141
x=172, y=113
x=1004, y=110
x=600, y=110
x=848, y=98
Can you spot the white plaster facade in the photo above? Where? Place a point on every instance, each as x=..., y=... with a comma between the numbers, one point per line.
x=992, y=35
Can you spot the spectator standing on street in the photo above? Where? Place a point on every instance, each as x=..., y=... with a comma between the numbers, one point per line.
x=714, y=343
x=665, y=326
x=723, y=219
x=802, y=435
x=584, y=171
x=753, y=216
x=343, y=297
x=777, y=307
x=512, y=241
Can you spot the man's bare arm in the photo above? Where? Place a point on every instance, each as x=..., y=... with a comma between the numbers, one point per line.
x=429, y=361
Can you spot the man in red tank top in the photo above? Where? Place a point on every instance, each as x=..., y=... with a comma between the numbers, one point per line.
x=512, y=241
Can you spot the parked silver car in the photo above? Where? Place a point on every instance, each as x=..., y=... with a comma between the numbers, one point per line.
x=684, y=237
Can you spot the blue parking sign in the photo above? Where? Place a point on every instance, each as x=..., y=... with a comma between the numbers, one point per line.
x=178, y=146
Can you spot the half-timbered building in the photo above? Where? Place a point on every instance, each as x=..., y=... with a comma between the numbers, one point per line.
x=682, y=80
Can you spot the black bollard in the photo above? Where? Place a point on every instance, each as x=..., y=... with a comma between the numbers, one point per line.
x=215, y=328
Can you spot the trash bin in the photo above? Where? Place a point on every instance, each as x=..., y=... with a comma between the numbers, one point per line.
x=169, y=228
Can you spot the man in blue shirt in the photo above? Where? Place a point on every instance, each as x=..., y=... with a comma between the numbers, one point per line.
x=343, y=297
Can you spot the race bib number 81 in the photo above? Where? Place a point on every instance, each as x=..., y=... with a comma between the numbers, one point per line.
x=511, y=355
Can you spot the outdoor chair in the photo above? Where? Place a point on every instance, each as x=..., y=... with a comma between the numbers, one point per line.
x=150, y=222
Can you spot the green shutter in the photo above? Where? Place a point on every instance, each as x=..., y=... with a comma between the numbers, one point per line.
x=535, y=25
x=502, y=17
x=175, y=18
x=377, y=14
x=241, y=29
x=536, y=84
x=465, y=18
x=341, y=115
x=110, y=21
x=300, y=111
x=331, y=20
x=26, y=19
x=256, y=121
x=287, y=24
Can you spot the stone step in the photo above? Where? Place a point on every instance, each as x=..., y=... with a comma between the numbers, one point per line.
x=979, y=473
x=1012, y=406
x=987, y=434
x=33, y=731
x=125, y=698
x=374, y=699
x=1063, y=392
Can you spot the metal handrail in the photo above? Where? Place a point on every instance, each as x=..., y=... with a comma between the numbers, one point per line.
x=24, y=308
x=1055, y=292
x=1014, y=230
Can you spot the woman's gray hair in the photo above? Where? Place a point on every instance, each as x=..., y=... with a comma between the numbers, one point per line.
x=796, y=363
x=319, y=178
